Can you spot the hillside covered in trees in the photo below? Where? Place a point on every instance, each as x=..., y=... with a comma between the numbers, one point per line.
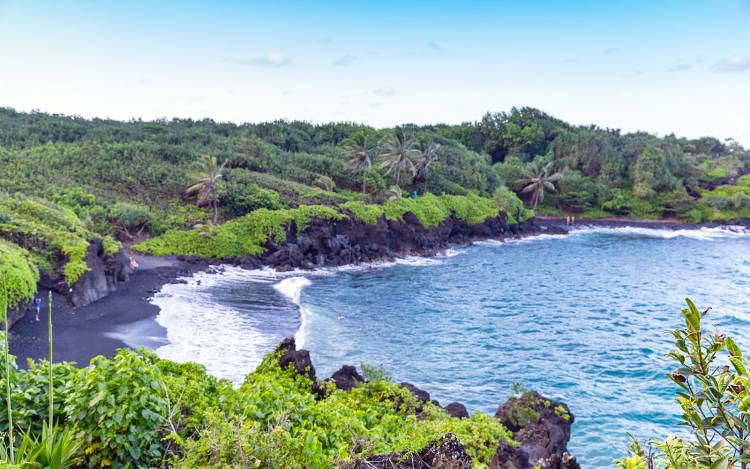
x=65, y=180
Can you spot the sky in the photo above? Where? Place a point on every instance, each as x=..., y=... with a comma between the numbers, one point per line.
x=666, y=66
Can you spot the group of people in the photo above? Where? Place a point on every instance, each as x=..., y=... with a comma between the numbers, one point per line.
x=570, y=220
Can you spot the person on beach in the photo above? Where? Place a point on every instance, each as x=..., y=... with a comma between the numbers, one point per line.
x=37, y=307
x=567, y=220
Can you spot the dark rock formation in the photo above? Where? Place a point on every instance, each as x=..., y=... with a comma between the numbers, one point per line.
x=347, y=378
x=457, y=410
x=104, y=273
x=446, y=453
x=300, y=359
x=351, y=241
x=420, y=394
x=542, y=427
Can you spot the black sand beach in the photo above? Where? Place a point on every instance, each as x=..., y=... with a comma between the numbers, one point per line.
x=124, y=318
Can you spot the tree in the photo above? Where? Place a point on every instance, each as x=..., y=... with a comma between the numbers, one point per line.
x=538, y=179
x=427, y=154
x=359, y=153
x=398, y=153
x=206, y=180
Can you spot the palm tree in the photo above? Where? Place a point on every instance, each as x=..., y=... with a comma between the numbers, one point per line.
x=426, y=156
x=206, y=180
x=359, y=153
x=536, y=179
x=397, y=155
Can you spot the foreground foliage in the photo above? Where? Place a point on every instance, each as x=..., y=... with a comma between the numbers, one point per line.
x=714, y=396
x=137, y=409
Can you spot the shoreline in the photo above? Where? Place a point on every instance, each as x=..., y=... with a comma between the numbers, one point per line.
x=126, y=318
x=99, y=328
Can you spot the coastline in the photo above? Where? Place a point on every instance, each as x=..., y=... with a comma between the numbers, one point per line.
x=99, y=328
x=126, y=318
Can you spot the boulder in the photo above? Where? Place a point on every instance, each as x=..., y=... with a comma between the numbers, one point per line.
x=347, y=378
x=457, y=410
x=542, y=429
x=299, y=359
x=420, y=394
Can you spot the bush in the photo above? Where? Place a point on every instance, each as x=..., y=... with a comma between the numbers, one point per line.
x=18, y=274
x=368, y=213
x=511, y=205
x=48, y=231
x=282, y=423
x=119, y=406
x=238, y=195
x=620, y=202
x=130, y=217
x=714, y=396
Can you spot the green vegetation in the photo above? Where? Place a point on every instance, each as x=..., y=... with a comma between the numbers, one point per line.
x=238, y=237
x=248, y=234
x=66, y=180
x=714, y=396
x=18, y=273
x=135, y=409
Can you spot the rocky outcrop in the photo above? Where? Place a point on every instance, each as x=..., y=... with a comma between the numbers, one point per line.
x=347, y=378
x=16, y=313
x=446, y=453
x=542, y=429
x=299, y=359
x=104, y=273
x=351, y=241
x=540, y=426
x=457, y=410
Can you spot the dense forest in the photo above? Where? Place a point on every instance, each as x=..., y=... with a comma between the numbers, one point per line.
x=592, y=171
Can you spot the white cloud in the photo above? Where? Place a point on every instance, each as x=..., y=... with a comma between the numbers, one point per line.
x=732, y=64
x=344, y=60
x=435, y=46
x=270, y=59
x=385, y=91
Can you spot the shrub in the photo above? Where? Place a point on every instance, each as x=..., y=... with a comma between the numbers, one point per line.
x=714, y=396
x=130, y=217
x=17, y=273
x=48, y=231
x=471, y=209
x=511, y=205
x=283, y=424
x=240, y=198
x=428, y=209
x=119, y=406
x=368, y=213
x=576, y=192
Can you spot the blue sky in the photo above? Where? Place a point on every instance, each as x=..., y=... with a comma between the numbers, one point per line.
x=662, y=66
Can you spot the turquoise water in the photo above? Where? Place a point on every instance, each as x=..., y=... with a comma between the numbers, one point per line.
x=581, y=318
